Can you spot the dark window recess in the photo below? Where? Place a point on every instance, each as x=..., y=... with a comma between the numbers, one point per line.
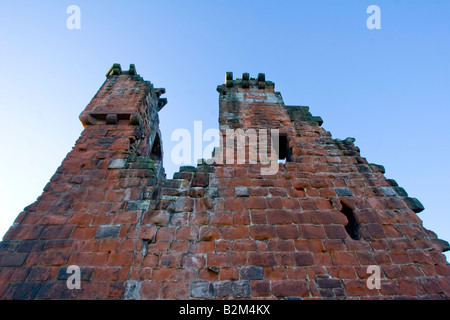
x=284, y=152
x=352, y=226
x=156, y=149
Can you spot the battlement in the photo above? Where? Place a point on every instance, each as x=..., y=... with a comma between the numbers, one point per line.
x=246, y=82
x=116, y=70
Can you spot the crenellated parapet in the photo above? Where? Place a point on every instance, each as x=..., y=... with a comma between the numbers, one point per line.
x=246, y=82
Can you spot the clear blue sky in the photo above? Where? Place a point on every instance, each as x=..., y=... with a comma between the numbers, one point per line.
x=388, y=88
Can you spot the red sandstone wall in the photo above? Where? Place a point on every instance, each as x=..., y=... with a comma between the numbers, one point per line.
x=217, y=231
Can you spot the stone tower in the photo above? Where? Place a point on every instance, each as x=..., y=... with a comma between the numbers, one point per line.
x=319, y=226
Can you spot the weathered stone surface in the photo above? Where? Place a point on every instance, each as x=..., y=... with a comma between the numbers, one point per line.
x=241, y=192
x=308, y=230
x=117, y=164
x=228, y=289
x=414, y=204
x=343, y=192
x=107, y=231
x=132, y=290
x=377, y=168
x=147, y=232
x=388, y=191
x=200, y=289
x=328, y=282
x=241, y=289
x=222, y=289
x=211, y=192
x=12, y=259
x=442, y=244
x=138, y=205
x=252, y=273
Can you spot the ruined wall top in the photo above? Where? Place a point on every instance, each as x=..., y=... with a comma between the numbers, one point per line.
x=246, y=83
x=124, y=95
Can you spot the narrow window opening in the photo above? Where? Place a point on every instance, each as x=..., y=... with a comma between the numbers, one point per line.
x=156, y=149
x=352, y=226
x=284, y=152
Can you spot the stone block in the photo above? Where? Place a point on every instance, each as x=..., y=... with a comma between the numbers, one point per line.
x=200, y=289
x=388, y=191
x=211, y=192
x=241, y=289
x=132, y=290
x=414, y=204
x=117, y=164
x=241, y=192
x=112, y=118
x=343, y=192
x=12, y=259
x=377, y=168
x=187, y=169
x=107, y=231
x=252, y=273
x=147, y=232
